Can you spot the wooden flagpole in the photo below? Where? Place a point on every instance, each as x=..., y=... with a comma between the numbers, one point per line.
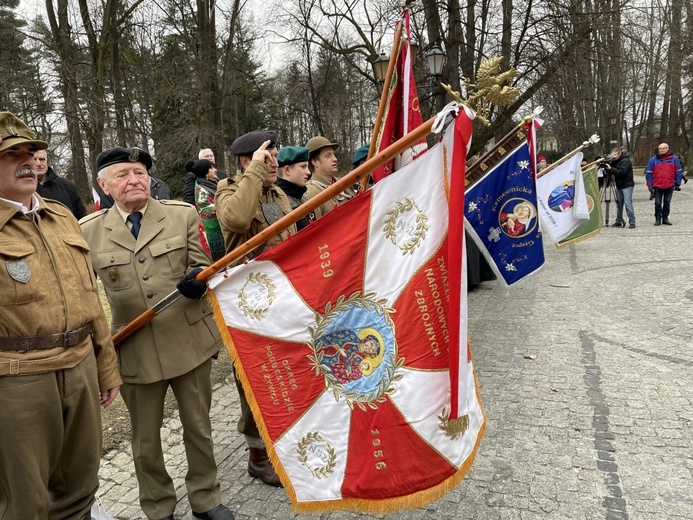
x=500, y=143
x=280, y=225
x=593, y=139
x=383, y=95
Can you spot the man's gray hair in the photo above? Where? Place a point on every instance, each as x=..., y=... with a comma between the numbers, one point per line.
x=102, y=173
x=203, y=150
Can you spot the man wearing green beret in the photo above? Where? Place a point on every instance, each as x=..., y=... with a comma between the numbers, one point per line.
x=293, y=176
x=57, y=360
x=323, y=163
x=246, y=205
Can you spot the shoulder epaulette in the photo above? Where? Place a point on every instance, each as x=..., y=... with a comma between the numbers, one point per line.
x=92, y=216
x=169, y=202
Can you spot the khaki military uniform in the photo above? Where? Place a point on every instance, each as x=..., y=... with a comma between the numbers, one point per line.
x=239, y=210
x=315, y=185
x=173, y=349
x=50, y=431
x=239, y=205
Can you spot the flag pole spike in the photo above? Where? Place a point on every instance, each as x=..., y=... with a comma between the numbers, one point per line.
x=280, y=225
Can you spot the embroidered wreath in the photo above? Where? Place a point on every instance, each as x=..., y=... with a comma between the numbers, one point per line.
x=391, y=222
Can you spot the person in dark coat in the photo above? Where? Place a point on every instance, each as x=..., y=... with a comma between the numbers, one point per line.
x=50, y=186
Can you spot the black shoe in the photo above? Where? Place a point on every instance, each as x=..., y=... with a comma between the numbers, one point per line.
x=658, y=222
x=618, y=224
x=666, y=222
x=221, y=512
x=632, y=226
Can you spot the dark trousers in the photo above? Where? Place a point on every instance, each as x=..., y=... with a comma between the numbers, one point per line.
x=50, y=443
x=662, y=202
x=145, y=402
x=246, y=423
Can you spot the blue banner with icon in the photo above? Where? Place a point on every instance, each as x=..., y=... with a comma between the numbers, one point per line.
x=501, y=215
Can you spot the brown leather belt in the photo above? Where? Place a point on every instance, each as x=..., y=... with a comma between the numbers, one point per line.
x=61, y=339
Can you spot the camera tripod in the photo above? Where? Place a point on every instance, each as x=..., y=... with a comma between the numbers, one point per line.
x=608, y=193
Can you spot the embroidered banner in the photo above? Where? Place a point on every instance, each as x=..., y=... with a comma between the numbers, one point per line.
x=592, y=226
x=402, y=113
x=561, y=198
x=340, y=336
x=501, y=215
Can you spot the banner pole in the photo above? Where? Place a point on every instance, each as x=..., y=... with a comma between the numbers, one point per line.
x=566, y=157
x=383, y=95
x=280, y=225
x=500, y=143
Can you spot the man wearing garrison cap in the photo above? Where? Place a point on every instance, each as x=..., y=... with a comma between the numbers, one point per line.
x=293, y=175
x=143, y=249
x=323, y=164
x=57, y=360
x=247, y=205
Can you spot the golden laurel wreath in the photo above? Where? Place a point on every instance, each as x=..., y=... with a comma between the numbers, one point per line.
x=302, y=450
x=264, y=279
x=453, y=428
x=421, y=225
x=385, y=387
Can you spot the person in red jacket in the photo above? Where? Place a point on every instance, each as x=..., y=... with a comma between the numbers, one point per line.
x=663, y=174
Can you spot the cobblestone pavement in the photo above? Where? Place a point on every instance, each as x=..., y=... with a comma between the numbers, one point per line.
x=585, y=375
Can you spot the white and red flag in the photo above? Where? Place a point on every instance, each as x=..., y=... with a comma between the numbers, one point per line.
x=402, y=113
x=97, y=199
x=342, y=336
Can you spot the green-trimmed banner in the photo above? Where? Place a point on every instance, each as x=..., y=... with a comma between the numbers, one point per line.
x=592, y=226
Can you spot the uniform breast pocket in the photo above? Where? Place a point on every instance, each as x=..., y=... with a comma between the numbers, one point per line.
x=115, y=270
x=20, y=275
x=79, y=252
x=170, y=256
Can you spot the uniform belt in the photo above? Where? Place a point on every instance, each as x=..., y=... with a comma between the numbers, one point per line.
x=61, y=339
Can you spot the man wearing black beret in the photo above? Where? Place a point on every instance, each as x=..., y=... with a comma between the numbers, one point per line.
x=293, y=175
x=247, y=205
x=143, y=249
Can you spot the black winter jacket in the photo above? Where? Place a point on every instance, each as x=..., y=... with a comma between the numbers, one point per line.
x=623, y=172
x=64, y=191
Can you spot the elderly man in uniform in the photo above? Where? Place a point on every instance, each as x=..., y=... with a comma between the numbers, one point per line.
x=323, y=163
x=293, y=174
x=143, y=249
x=57, y=360
x=246, y=206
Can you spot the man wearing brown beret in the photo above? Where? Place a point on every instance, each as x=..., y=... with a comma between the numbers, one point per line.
x=57, y=360
x=143, y=249
x=245, y=207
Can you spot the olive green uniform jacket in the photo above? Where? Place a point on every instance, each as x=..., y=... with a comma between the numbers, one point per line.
x=60, y=295
x=315, y=185
x=138, y=273
x=239, y=208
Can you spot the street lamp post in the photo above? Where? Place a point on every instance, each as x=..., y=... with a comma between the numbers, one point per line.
x=612, y=124
x=380, y=66
x=435, y=58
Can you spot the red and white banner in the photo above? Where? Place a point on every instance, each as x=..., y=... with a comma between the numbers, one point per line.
x=341, y=337
x=402, y=113
x=97, y=199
